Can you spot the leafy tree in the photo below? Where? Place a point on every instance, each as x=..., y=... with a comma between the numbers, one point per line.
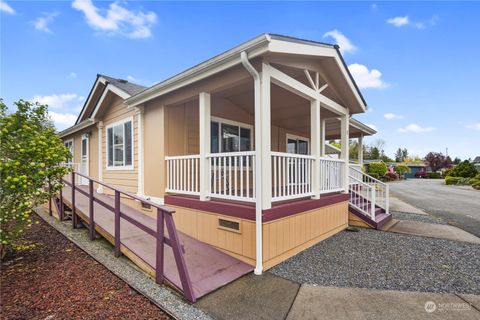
x=30, y=153
x=402, y=168
x=436, y=160
x=374, y=153
x=413, y=159
x=457, y=160
x=401, y=155
x=379, y=168
x=464, y=169
x=386, y=158
x=448, y=163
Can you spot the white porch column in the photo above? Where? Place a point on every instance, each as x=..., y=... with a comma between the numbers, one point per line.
x=360, y=150
x=345, y=147
x=140, y=152
x=204, y=134
x=315, y=137
x=322, y=138
x=100, y=155
x=264, y=128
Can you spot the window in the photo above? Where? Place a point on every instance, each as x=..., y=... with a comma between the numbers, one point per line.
x=69, y=145
x=297, y=145
x=120, y=145
x=229, y=136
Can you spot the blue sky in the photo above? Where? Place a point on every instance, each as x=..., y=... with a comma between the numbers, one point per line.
x=417, y=63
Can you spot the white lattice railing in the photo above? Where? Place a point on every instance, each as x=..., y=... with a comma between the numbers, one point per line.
x=377, y=191
x=331, y=175
x=183, y=174
x=291, y=176
x=232, y=175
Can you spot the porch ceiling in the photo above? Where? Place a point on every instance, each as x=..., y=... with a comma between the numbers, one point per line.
x=289, y=110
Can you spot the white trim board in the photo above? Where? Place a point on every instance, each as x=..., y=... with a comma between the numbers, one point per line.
x=124, y=167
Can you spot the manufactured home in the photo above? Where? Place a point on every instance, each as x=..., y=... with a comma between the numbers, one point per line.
x=237, y=146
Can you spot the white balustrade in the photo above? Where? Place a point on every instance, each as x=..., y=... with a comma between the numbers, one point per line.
x=232, y=175
x=376, y=193
x=183, y=174
x=291, y=176
x=331, y=175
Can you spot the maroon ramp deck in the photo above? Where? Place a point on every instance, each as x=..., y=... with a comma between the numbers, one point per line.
x=208, y=267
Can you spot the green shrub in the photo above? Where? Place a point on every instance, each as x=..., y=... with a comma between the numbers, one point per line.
x=380, y=168
x=434, y=175
x=402, y=169
x=374, y=175
x=464, y=169
x=475, y=182
x=454, y=180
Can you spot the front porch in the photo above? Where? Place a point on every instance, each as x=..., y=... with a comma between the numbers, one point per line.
x=247, y=162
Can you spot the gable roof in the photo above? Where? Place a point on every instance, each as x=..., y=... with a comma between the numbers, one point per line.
x=476, y=160
x=255, y=47
x=124, y=85
x=101, y=83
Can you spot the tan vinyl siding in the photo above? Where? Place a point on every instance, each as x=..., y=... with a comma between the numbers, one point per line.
x=126, y=180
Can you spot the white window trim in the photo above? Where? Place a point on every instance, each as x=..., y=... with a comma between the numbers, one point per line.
x=296, y=137
x=120, y=168
x=87, y=146
x=221, y=121
x=73, y=149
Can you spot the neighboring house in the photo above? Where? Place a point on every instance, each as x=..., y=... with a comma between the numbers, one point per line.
x=236, y=146
x=476, y=163
x=416, y=167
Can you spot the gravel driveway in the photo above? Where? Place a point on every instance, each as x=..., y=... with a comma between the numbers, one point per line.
x=384, y=260
x=458, y=206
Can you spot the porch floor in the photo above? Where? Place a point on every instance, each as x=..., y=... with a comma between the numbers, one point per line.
x=209, y=268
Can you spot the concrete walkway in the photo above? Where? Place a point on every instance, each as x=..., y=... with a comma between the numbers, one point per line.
x=314, y=302
x=433, y=230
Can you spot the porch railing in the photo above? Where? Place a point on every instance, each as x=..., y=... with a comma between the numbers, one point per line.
x=371, y=189
x=183, y=174
x=232, y=175
x=291, y=176
x=331, y=175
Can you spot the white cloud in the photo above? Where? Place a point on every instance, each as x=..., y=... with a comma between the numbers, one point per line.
x=117, y=19
x=345, y=44
x=367, y=78
x=5, y=7
x=474, y=126
x=374, y=127
x=42, y=22
x=405, y=21
x=373, y=6
x=56, y=101
x=415, y=128
x=62, y=120
x=391, y=116
x=72, y=75
x=399, y=21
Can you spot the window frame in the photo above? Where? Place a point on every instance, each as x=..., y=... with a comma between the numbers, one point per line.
x=296, y=137
x=72, y=151
x=124, y=167
x=240, y=125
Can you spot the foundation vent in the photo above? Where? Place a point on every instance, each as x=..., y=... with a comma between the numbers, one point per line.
x=229, y=225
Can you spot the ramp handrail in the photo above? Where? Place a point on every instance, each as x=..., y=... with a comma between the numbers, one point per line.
x=164, y=218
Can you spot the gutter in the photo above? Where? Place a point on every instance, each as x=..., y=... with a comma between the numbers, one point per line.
x=258, y=164
x=77, y=127
x=200, y=70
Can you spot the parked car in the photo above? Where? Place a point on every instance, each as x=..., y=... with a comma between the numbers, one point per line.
x=421, y=174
